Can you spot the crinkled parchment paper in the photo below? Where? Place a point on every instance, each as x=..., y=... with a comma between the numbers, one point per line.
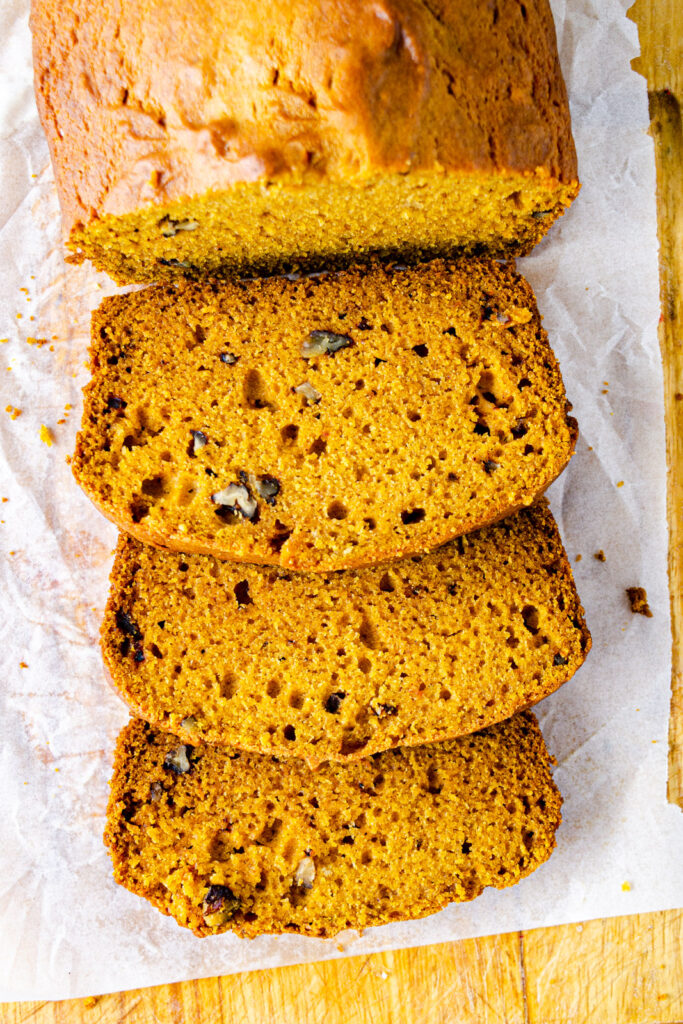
x=65, y=928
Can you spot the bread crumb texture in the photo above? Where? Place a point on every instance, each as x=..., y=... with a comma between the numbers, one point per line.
x=324, y=423
x=324, y=131
x=637, y=597
x=338, y=667
x=228, y=841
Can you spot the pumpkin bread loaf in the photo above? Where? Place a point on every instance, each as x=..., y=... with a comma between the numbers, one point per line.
x=224, y=840
x=322, y=423
x=194, y=139
x=337, y=667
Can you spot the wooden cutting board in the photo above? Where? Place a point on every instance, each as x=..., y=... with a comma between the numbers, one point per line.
x=625, y=970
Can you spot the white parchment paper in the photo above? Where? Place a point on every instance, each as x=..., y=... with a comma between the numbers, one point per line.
x=65, y=928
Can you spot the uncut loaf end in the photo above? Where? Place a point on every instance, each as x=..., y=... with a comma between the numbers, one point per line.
x=226, y=841
x=323, y=423
x=200, y=138
x=340, y=666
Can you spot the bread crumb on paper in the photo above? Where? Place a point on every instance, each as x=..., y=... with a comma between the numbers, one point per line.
x=626, y=886
x=638, y=598
x=45, y=435
x=600, y=556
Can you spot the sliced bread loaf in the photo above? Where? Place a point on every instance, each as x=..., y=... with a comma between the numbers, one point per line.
x=337, y=667
x=194, y=137
x=322, y=423
x=228, y=841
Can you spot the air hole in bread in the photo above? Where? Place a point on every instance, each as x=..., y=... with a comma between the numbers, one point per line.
x=337, y=510
x=228, y=686
x=318, y=447
x=254, y=391
x=289, y=433
x=414, y=515
x=241, y=592
x=531, y=618
x=138, y=510
x=368, y=633
x=387, y=583
x=154, y=486
x=434, y=783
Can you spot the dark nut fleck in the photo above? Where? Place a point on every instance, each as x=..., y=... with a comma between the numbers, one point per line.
x=170, y=227
x=267, y=487
x=333, y=702
x=178, y=759
x=384, y=710
x=176, y=263
x=490, y=466
x=540, y=214
x=519, y=430
x=237, y=498
x=220, y=904
x=319, y=343
x=559, y=660
x=127, y=626
x=228, y=357
x=114, y=402
x=199, y=441
x=156, y=791
x=311, y=394
x=304, y=875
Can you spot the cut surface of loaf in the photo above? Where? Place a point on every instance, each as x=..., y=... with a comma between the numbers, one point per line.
x=228, y=841
x=194, y=138
x=323, y=423
x=337, y=667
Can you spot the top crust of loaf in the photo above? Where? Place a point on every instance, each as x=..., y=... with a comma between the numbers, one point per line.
x=149, y=104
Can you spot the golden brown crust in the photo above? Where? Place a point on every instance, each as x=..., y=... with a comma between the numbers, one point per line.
x=342, y=666
x=158, y=108
x=146, y=106
x=444, y=411
x=242, y=843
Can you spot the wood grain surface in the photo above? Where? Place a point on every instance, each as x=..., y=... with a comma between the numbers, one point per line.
x=661, y=30
x=625, y=970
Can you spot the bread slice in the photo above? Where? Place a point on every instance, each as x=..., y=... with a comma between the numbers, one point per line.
x=322, y=423
x=196, y=138
x=227, y=841
x=337, y=667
